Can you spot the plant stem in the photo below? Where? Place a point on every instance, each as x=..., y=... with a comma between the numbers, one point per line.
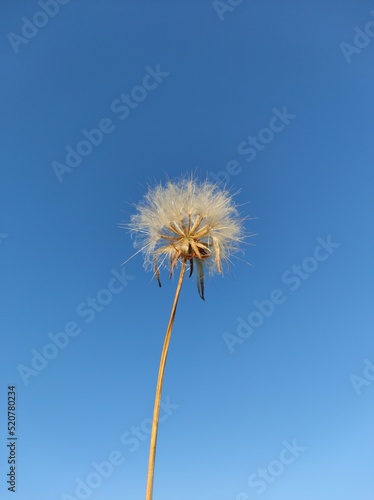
x=156, y=409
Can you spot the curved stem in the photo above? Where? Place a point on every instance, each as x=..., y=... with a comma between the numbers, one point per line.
x=156, y=409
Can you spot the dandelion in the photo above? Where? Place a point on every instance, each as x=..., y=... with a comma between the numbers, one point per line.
x=184, y=223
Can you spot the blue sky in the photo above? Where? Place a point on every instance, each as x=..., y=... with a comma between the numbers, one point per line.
x=272, y=98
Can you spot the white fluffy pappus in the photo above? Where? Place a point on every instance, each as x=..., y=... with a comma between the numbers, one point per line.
x=187, y=220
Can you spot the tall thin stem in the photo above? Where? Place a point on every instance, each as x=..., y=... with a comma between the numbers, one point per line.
x=156, y=409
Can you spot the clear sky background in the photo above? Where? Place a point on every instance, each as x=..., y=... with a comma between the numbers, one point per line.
x=231, y=406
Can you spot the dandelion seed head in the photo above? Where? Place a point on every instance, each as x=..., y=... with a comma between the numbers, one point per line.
x=187, y=220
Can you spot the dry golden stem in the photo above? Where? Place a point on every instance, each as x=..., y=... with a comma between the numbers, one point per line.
x=156, y=410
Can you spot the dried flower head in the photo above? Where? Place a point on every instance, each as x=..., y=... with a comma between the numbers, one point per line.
x=189, y=221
